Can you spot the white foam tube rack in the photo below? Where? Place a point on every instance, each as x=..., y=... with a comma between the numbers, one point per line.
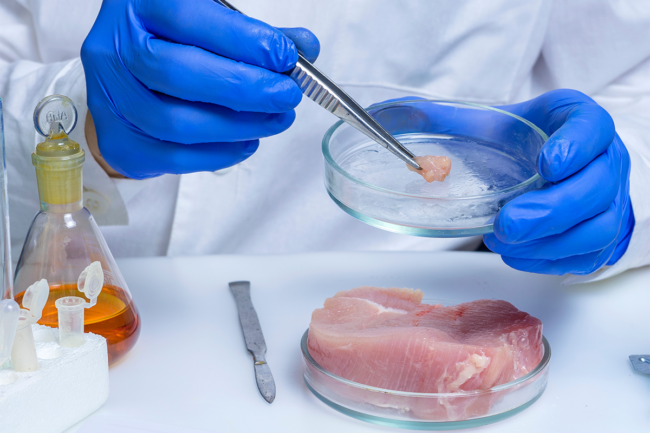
x=70, y=384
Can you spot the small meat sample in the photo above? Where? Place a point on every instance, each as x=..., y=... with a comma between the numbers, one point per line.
x=389, y=339
x=433, y=167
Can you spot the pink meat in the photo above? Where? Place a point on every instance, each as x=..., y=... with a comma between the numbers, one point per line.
x=387, y=338
x=433, y=167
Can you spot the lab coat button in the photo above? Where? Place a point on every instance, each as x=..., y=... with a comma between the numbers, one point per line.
x=96, y=203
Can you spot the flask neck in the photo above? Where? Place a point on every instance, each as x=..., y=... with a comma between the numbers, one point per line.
x=61, y=208
x=58, y=162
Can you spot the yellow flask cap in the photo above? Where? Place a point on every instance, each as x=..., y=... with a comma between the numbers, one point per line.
x=58, y=160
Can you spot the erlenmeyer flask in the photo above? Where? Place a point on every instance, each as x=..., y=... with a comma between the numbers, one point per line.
x=64, y=238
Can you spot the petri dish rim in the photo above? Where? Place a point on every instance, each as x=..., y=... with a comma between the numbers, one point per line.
x=538, y=369
x=423, y=425
x=330, y=160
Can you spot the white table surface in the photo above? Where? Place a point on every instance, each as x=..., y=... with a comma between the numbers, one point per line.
x=190, y=371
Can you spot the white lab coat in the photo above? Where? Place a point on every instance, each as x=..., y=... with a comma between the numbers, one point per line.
x=491, y=52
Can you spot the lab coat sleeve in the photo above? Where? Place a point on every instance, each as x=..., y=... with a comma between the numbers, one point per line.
x=627, y=99
x=24, y=81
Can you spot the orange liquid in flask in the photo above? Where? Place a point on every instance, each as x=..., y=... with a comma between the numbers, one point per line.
x=114, y=317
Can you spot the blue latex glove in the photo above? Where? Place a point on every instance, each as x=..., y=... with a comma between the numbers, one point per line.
x=583, y=219
x=178, y=87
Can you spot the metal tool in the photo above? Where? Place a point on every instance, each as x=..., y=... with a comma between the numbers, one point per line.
x=255, y=344
x=641, y=363
x=320, y=89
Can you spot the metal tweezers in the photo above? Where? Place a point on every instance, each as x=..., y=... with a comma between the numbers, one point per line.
x=320, y=89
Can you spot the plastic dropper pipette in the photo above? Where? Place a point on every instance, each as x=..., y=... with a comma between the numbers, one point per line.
x=7, y=267
x=23, y=352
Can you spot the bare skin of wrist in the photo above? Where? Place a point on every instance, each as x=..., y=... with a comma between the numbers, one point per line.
x=91, y=138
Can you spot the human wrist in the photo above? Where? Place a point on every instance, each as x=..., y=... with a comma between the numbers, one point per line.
x=93, y=147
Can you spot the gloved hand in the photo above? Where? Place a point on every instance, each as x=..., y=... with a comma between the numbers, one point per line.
x=583, y=219
x=178, y=87
x=580, y=221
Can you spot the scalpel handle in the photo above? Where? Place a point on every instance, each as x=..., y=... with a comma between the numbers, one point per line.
x=641, y=363
x=252, y=330
x=250, y=323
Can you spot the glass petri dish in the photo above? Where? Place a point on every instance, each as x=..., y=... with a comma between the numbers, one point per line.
x=405, y=409
x=494, y=159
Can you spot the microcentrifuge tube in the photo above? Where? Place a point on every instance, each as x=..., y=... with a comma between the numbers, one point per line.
x=71, y=308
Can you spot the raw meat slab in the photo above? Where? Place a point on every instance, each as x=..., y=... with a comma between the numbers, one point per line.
x=389, y=339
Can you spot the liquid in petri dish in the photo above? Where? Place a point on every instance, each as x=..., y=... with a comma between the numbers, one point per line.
x=114, y=317
x=478, y=167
